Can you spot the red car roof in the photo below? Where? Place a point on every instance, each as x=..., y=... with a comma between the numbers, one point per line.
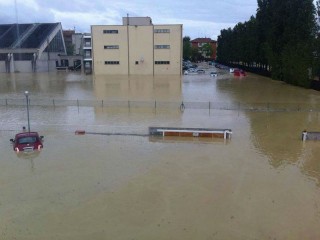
x=27, y=134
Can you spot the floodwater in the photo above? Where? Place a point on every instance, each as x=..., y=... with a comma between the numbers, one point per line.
x=264, y=183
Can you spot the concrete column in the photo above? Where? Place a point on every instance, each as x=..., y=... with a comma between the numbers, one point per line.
x=11, y=64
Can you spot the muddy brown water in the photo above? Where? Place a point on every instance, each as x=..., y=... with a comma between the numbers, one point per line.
x=262, y=184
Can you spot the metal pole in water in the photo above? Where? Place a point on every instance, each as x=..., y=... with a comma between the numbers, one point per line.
x=304, y=135
x=27, y=98
x=78, y=104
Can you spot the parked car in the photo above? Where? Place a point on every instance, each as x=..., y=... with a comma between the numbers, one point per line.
x=213, y=74
x=239, y=73
x=27, y=141
x=201, y=71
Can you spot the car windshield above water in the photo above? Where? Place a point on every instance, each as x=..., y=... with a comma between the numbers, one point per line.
x=27, y=140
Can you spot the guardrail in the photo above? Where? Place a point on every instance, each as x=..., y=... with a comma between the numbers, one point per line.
x=183, y=105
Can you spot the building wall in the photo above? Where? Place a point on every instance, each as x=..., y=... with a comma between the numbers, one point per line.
x=46, y=66
x=141, y=50
x=173, y=54
x=2, y=66
x=135, y=49
x=100, y=55
x=77, y=42
x=22, y=66
x=139, y=21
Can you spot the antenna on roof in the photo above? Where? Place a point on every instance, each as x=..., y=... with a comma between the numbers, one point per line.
x=16, y=10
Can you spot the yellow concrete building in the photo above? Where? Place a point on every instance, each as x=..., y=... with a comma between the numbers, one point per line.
x=137, y=48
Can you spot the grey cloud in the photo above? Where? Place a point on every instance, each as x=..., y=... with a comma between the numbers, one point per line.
x=199, y=17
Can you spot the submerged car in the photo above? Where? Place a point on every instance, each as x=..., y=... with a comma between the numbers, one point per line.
x=213, y=74
x=239, y=72
x=27, y=141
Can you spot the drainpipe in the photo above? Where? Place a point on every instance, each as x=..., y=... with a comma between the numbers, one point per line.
x=128, y=44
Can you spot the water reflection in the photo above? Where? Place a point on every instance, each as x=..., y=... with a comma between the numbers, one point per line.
x=309, y=160
x=100, y=186
x=47, y=85
x=165, y=88
x=277, y=134
x=29, y=156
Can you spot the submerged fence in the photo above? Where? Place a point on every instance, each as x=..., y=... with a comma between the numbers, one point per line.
x=180, y=105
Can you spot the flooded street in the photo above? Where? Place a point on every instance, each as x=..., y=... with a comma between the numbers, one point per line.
x=264, y=183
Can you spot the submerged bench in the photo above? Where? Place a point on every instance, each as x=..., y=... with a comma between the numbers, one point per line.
x=190, y=132
x=310, y=136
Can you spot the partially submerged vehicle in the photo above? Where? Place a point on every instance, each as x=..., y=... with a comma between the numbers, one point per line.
x=213, y=74
x=239, y=73
x=201, y=71
x=27, y=142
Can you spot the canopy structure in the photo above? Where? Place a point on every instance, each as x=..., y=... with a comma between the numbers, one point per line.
x=29, y=43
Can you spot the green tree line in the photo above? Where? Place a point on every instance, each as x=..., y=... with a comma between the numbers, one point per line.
x=282, y=40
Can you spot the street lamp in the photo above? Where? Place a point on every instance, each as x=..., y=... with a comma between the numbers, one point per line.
x=27, y=98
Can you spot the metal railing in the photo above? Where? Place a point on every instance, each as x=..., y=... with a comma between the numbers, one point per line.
x=183, y=105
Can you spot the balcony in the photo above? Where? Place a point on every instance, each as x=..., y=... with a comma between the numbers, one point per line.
x=87, y=45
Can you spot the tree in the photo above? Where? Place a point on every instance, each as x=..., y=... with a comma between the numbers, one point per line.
x=207, y=50
x=186, y=48
x=70, y=48
x=195, y=54
x=316, y=48
x=281, y=38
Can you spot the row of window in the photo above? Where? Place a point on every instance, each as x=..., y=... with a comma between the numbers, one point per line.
x=110, y=31
x=111, y=62
x=162, y=31
x=155, y=46
x=162, y=46
x=111, y=47
x=118, y=62
x=115, y=31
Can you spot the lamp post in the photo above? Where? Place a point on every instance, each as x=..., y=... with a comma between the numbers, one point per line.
x=27, y=98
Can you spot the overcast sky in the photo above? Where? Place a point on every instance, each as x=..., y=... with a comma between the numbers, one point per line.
x=203, y=18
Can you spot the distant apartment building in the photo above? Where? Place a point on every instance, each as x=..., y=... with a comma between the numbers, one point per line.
x=78, y=47
x=200, y=42
x=137, y=47
x=87, y=53
x=73, y=42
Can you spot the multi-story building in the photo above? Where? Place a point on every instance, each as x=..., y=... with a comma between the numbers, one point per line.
x=137, y=47
x=87, y=53
x=200, y=42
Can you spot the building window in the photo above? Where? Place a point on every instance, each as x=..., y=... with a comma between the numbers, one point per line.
x=162, y=62
x=162, y=31
x=111, y=62
x=87, y=54
x=110, y=31
x=111, y=46
x=87, y=43
x=162, y=46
